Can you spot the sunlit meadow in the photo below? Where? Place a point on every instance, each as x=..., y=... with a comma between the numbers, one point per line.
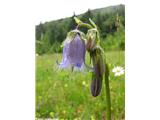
x=65, y=95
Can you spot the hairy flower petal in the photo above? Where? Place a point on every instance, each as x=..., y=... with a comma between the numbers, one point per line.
x=76, y=52
x=73, y=53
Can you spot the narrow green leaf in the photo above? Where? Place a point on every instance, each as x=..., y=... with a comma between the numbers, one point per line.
x=92, y=23
x=78, y=21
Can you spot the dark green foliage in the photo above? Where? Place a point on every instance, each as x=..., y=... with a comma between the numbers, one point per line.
x=50, y=35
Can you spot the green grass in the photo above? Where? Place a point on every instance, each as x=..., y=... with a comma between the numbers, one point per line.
x=66, y=95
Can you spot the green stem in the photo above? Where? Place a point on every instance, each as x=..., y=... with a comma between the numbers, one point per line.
x=108, y=100
x=84, y=25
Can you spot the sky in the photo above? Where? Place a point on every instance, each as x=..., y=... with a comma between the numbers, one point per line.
x=47, y=10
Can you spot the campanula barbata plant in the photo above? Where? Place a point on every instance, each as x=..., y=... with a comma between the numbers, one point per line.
x=74, y=48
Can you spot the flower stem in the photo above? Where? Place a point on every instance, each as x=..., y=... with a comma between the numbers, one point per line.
x=108, y=101
x=84, y=25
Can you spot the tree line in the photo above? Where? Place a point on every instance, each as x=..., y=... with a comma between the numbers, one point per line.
x=110, y=22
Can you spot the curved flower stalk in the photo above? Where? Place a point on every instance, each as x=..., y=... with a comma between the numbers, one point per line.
x=99, y=65
x=73, y=51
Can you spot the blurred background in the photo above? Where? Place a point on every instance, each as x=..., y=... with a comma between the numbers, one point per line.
x=110, y=22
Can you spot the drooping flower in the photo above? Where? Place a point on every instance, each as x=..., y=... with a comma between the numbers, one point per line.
x=73, y=51
x=97, y=57
x=118, y=71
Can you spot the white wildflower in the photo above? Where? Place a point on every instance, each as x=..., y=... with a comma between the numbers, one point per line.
x=118, y=71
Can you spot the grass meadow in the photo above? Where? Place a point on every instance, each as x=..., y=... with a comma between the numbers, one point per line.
x=65, y=95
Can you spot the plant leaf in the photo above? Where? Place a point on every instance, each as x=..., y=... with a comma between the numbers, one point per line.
x=92, y=23
x=78, y=21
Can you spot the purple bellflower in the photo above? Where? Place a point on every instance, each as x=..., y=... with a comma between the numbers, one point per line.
x=73, y=51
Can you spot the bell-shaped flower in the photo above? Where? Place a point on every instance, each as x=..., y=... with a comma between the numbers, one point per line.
x=73, y=51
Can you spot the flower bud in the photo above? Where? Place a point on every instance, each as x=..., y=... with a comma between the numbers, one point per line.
x=91, y=39
x=97, y=75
